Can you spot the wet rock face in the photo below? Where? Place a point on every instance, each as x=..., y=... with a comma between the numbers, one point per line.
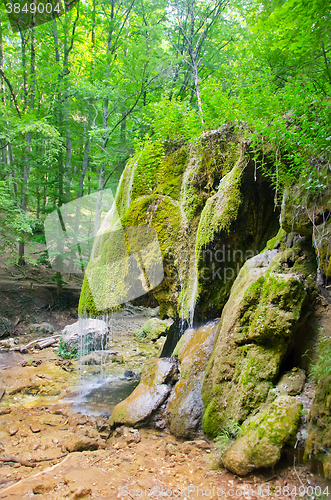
x=5, y=327
x=90, y=334
x=185, y=406
x=157, y=378
x=255, y=333
x=263, y=437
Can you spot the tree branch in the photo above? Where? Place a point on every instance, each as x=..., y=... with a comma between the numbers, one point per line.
x=12, y=92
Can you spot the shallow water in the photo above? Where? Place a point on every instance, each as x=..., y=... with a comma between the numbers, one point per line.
x=100, y=396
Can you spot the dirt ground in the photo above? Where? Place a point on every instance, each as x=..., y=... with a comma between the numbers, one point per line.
x=50, y=451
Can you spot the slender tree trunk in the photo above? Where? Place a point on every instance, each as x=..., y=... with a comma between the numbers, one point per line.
x=2, y=82
x=26, y=168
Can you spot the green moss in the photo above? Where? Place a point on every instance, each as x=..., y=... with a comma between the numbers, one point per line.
x=86, y=306
x=162, y=214
x=169, y=174
x=280, y=236
x=146, y=171
x=221, y=209
x=152, y=330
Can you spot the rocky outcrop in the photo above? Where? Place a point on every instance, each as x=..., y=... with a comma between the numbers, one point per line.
x=185, y=406
x=85, y=335
x=255, y=333
x=204, y=201
x=312, y=217
x=156, y=381
x=263, y=437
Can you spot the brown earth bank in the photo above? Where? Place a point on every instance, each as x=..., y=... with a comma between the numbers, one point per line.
x=50, y=450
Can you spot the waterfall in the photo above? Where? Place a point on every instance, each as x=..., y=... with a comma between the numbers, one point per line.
x=130, y=186
x=193, y=297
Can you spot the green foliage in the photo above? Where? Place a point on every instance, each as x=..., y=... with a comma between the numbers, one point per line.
x=173, y=118
x=322, y=368
x=64, y=352
x=226, y=436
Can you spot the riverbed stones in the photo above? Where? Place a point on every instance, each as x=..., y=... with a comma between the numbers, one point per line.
x=255, y=333
x=263, y=437
x=155, y=385
x=5, y=327
x=185, y=406
x=90, y=334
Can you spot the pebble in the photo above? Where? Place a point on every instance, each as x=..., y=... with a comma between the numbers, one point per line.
x=34, y=429
x=44, y=487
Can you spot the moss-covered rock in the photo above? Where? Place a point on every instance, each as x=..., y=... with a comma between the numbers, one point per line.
x=204, y=199
x=292, y=382
x=154, y=387
x=152, y=330
x=185, y=405
x=263, y=437
x=255, y=333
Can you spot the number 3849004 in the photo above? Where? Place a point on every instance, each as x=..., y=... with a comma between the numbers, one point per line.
x=17, y=8
x=301, y=491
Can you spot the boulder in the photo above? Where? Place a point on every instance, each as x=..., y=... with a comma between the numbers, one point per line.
x=43, y=328
x=85, y=335
x=255, y=334
x=185, y=406
x=152, y=330
x=263, y=437
x=204, y=200
x=155, y=385
x=292, y=382
x=5, y=327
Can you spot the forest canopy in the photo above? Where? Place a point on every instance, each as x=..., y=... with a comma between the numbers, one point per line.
x=84, y=91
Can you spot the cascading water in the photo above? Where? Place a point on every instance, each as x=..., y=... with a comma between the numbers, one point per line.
x=193, y=299
x=101, y=385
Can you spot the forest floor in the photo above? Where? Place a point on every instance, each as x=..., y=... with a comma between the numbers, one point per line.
x=51, y=450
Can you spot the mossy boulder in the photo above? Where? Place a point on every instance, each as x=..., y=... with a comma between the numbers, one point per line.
x=204, y=200
x=155, y=385
x=185, y=407
x=152, y=330
x=255, y=333
x=263, y=437
x=292, y=382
